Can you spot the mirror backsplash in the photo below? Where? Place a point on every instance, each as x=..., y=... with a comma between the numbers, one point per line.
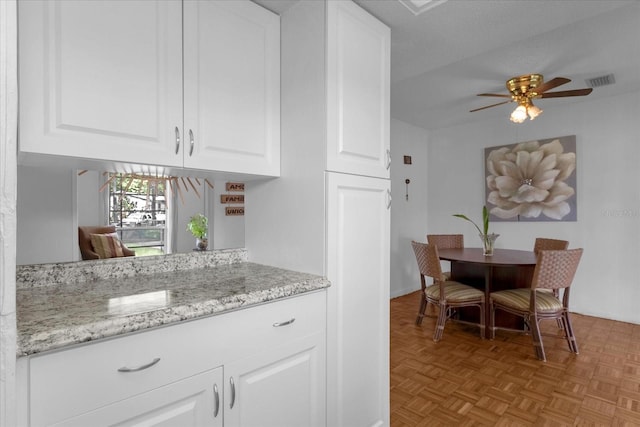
x=53, y=202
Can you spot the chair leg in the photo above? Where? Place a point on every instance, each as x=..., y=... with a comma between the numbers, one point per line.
x=537, y=339
x=492, y=320
x=568, y=332
x=482, y=325
x=556, y=293
x=422, y=309
x=442, y=318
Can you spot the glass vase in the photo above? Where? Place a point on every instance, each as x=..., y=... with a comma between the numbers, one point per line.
x=202, y=243
x=488, y=242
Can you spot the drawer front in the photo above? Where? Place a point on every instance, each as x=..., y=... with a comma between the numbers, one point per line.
x=71, y=382
x=246, y=332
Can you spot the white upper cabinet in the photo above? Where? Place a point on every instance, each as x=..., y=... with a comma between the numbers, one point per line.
x=358, y=70
x=103, y=80
x=232, y=87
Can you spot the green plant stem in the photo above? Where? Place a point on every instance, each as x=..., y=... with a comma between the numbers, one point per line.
x=485, y=221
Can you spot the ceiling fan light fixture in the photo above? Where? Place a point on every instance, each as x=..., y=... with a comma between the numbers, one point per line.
x=519, y=115
x=524, y=109
x=523, y=89
x=533, y=111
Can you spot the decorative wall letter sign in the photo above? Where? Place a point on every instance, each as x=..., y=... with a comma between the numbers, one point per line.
x=235, y=186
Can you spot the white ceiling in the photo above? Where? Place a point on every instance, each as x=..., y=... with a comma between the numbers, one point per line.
x=442, y=58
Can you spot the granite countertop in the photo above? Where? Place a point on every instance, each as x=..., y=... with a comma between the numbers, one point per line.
x=59, y=315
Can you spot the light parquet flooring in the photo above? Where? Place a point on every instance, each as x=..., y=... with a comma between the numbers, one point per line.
x=466, y=381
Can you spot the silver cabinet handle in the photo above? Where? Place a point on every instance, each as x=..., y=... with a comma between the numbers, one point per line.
x=233, y=392
x=216, y=403
x=388, y=158
x=177, y=139
x=190, y=142
x=288, y=322
x=140, y=368
x=389, y=199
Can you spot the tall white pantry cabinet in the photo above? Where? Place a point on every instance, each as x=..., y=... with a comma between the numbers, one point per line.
x=329, y=213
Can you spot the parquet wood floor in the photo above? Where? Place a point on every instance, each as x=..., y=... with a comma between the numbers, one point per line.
x=466, y=381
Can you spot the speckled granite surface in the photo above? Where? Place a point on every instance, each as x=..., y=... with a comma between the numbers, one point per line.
x=59, y=315
x=36, y=275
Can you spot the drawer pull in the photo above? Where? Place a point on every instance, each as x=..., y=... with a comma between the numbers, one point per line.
x=216, y=403
x=140, y=368
x=233, y=392
x=288, y=322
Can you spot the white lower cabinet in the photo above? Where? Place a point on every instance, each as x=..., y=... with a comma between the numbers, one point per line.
x=281, y=387
x=192, y=402
x=261, y=366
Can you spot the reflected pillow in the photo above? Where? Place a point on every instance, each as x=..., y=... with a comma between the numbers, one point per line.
x=107, y=245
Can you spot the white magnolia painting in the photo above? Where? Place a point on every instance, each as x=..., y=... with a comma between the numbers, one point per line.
x=532, y=180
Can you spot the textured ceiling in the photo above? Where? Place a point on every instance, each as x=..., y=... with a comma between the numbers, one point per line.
x=441, y=58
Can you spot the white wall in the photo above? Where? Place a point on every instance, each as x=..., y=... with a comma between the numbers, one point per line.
x=8, y=207
x=47, y=228
x=228, y=231
x=608, y=195
x=91, y=204
x=190, y=204
x=408, y=217
x=224, y=231
x=289, y=232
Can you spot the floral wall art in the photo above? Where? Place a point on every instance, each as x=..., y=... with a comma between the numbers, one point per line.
x=532, y=180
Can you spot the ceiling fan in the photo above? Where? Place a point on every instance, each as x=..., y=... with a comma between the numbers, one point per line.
x=528, y=87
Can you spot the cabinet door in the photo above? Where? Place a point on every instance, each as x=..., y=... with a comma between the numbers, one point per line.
x=195, y=401
x=101, y=79
x=232, y=87
x=280, y=387
x=358, y=79
x=358, y=227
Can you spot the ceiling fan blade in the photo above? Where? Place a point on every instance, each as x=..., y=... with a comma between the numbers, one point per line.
x=489, y=106
x=558, y=81
x=563, y=93
x=494, y=94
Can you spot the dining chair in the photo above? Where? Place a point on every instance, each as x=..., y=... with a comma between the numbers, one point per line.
x=554, y=269
x=545, y=244
x=443, y=294
x=446, y=241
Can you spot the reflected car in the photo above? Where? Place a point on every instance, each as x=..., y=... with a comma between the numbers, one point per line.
x=137, y=219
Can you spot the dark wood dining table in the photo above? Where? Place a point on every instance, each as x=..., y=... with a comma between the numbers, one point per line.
x=505, y=269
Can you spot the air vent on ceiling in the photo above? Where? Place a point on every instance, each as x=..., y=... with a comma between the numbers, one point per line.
x=609, y=79
x=421, y=6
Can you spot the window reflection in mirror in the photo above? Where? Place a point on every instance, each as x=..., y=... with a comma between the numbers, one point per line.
x=138, y=208
x=53, y=202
